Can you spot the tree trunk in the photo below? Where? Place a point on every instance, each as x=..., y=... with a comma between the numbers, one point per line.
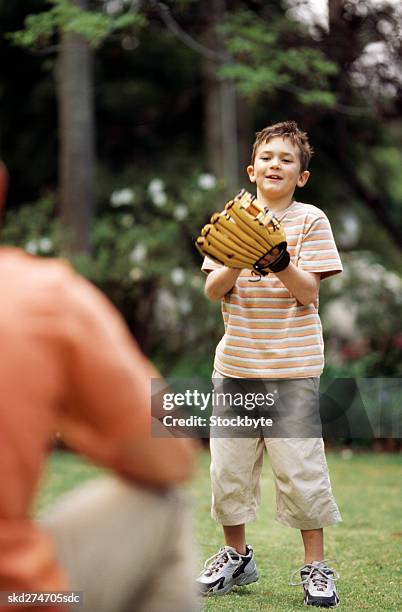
x=220, y=104
x=212, y=115
x=245, y=136
x=335, y=11
x=76, y=138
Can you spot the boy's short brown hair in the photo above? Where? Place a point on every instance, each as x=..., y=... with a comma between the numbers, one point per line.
x=286, y=129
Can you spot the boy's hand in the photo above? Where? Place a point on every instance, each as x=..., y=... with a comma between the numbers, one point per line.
x=245, y=235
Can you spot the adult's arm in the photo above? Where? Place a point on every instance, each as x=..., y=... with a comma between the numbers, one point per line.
x=106, y=407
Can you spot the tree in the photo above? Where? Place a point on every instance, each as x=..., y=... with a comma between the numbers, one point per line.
x=74, y=78
x=327, y=81
x=221, y=104
x=377, y=86
x=78, y=31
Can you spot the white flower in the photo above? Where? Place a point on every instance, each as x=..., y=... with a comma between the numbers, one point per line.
x=392, y=282
x=32, y=247
x=197, y=282
x=138, y=253
x=156, y=186
x=340, y=317
x=178, y=276
x=207, y=181
x=185, y=306
x=180, y=212
x=45, y=245
x=135, y=274
x=122, y=197
x=114, y=6
x=129, y=43
x=346, y=453
x=127, y=220
x=351, y=230
x=336, y=283
x=159, y=198
x=166, y=313
x=156, y=191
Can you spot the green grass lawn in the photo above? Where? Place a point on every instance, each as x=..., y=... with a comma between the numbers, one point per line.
x=367, y=545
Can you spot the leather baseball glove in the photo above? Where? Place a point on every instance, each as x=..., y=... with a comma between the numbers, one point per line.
x=245, y=235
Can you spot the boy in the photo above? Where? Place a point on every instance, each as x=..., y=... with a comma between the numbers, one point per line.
x=273, y=332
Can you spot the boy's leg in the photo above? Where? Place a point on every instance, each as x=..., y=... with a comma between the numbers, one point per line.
x=313, y=540
x=236, y=464
x=235, y=476
x=235, y=536
x=304, y=495
x=126, y=547
x=305, y=501
x=235, y=480
x=317, y=578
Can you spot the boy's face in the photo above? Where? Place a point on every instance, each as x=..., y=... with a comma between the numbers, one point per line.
x=276, y=170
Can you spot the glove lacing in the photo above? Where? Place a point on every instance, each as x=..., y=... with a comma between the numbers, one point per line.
x=255, y=280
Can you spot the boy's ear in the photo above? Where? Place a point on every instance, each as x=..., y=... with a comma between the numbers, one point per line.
x=303, y=178
x=250, y=172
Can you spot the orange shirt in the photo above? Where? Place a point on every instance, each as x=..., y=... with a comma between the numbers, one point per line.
x=268, y=333
x=69, y=364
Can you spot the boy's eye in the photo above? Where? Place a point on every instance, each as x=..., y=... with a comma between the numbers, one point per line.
x=287, y=161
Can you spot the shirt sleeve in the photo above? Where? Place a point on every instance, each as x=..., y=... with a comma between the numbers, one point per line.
x=318, y=252
x=208, y=265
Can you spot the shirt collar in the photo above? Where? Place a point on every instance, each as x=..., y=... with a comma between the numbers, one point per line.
x=281, y=214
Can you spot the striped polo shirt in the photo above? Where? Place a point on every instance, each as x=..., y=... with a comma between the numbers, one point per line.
x=268, y=333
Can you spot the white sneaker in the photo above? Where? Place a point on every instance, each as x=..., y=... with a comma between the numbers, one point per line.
x=226, y=569
x=318, y=581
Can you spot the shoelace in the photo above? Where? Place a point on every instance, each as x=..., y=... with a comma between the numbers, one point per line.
x=218, y=560
x=318, y=574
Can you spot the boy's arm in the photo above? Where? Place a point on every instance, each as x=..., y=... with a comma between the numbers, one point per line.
x=304, y=286
x=220, y=282
x=318, y=259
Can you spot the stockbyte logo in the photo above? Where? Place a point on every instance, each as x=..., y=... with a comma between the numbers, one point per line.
x=298, y=408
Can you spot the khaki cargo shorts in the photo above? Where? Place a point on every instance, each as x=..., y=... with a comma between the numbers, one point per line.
x=304, y=497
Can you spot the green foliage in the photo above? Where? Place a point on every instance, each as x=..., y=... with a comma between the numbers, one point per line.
x=380, y=168
x=94, y=26
x=361, y=316
x=264, y=61
x=33, y=227
x=145, y=260
x=318, y=98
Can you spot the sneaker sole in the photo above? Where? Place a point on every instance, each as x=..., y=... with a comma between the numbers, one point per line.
x=240, y=581
x=322, y=604
x=247, y=579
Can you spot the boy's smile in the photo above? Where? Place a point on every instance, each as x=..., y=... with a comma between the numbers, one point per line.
x=276, y=172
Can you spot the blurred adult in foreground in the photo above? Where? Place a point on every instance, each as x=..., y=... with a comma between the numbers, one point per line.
x=68, y=364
